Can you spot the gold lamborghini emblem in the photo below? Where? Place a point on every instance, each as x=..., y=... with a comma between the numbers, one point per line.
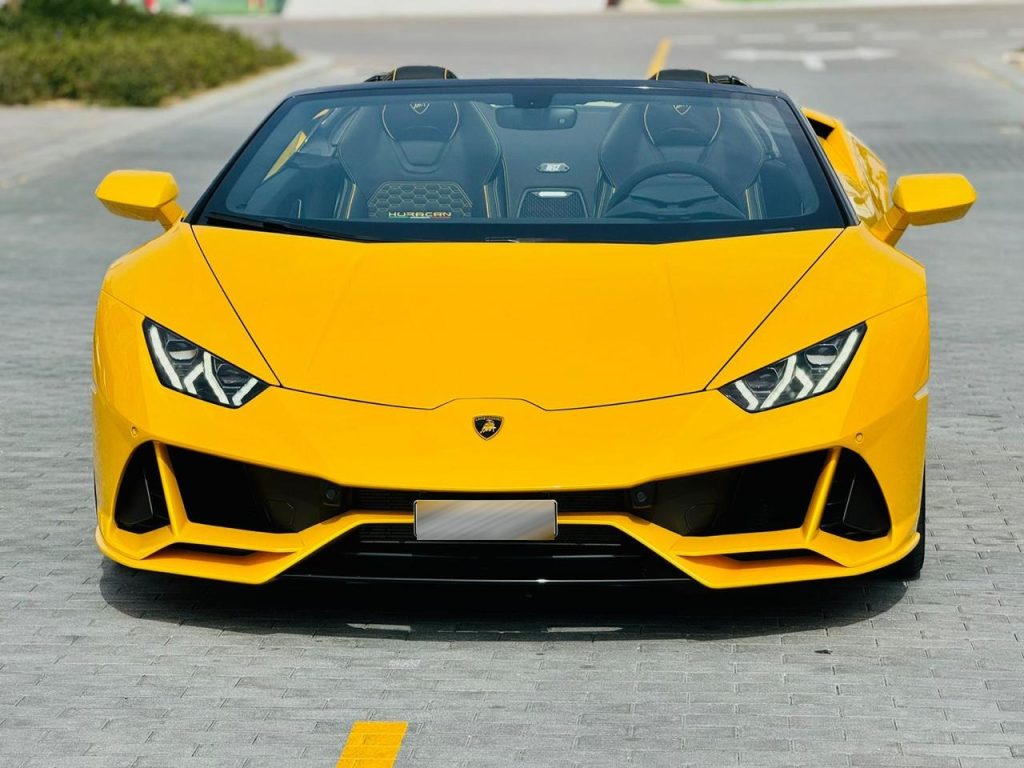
x=487, y=426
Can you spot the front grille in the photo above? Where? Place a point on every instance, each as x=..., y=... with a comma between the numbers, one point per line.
x=372, y=499
x=580, y=553
x=767, y=496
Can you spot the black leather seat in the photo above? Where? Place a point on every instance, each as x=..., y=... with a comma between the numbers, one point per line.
x=420, y=160
x=647, y=135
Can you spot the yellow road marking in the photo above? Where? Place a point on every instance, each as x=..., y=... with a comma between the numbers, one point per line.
x=660, y=56
x=372, y=745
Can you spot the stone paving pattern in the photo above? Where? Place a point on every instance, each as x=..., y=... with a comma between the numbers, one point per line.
x=102, y=667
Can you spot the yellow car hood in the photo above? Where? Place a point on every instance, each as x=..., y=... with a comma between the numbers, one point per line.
x=559, y=325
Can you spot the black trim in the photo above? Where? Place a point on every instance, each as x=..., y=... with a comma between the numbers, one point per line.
x=413, y=72
x=697, y=76
x=778, y=554
x=591, y=554
x=821, y=130
x=842, y=200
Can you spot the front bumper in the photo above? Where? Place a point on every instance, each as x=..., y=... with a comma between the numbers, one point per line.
x=879, y=413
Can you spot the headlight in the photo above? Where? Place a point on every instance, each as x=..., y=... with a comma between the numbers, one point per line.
x=810, y=372
x=191, y=370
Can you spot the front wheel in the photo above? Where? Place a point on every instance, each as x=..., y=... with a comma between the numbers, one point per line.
x=910, y=566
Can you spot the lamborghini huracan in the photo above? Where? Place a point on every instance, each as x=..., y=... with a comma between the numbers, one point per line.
x=423, y=328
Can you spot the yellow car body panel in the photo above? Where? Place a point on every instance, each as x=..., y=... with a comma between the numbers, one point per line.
x=170, y=278
x=862, y=173
x=883, y=419
x=387, y=323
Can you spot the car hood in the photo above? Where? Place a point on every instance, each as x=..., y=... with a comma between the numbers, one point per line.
x=559, y=325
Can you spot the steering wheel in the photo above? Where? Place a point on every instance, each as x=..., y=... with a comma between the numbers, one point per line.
x=716, y=181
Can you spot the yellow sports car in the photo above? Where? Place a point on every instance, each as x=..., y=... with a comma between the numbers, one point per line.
x=423, y=328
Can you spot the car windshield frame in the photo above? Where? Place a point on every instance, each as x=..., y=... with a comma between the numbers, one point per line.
x=834, y=209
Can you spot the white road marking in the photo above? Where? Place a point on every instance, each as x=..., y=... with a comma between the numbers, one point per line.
x=748, y=38
x=889, y=35
x=829, y=37
x=814, y=61
x=963, y=34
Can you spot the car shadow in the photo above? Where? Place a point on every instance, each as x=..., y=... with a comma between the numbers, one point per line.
x=497, y=612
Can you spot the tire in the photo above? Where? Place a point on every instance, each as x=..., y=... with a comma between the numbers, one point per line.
x=909, y=567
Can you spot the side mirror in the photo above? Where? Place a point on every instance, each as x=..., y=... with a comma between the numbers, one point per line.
x=927, y=198
x=142, y=195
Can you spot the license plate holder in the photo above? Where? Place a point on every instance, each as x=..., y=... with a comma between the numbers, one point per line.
x=485, y=519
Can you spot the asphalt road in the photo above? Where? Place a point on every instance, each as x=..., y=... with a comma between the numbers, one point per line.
x=103, y=667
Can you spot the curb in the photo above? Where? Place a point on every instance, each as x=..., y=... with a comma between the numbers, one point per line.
x=768, y=6
x=315, y=10
x=130, y=121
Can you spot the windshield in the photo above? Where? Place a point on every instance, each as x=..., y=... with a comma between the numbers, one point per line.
x=530, y=161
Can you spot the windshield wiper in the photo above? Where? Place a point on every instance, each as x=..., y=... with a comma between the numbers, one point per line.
x=280, y=226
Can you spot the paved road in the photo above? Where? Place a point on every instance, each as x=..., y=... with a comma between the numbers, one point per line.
x=103, y=667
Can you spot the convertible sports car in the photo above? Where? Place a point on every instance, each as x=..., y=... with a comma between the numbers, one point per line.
x=522, y=330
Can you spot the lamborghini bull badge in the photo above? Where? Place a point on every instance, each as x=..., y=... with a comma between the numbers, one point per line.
x=487, y=426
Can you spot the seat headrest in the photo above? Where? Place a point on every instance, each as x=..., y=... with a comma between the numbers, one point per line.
x=421, y=129
x=420, y=121
x=681, y=125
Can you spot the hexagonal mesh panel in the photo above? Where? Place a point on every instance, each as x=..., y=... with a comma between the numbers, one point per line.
x=419, y=200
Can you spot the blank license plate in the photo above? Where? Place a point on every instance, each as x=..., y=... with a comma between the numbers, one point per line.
x=486, y=519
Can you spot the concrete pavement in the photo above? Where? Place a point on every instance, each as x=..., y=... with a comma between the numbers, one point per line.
x=103, y=667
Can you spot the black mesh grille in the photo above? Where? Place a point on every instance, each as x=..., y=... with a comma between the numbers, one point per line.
x=372, y=499
x=767, y=496
x=580, y=553
x=552, y=204
x=419, y=199
x=397, y=533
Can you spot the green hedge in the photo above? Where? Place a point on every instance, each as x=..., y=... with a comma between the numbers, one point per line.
x=92, y=50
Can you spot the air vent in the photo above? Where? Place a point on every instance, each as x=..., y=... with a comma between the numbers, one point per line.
x=140, y=506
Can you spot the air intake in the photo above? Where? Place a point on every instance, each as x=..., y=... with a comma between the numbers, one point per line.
x=140, y=505
x=856, y=508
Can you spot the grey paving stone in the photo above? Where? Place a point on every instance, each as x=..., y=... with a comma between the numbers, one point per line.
x=104, y=668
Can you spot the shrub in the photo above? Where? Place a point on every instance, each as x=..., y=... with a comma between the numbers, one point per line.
x=92, y=50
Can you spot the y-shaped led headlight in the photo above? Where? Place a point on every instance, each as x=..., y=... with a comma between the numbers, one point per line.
x=191, y=370
x=810, y=372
